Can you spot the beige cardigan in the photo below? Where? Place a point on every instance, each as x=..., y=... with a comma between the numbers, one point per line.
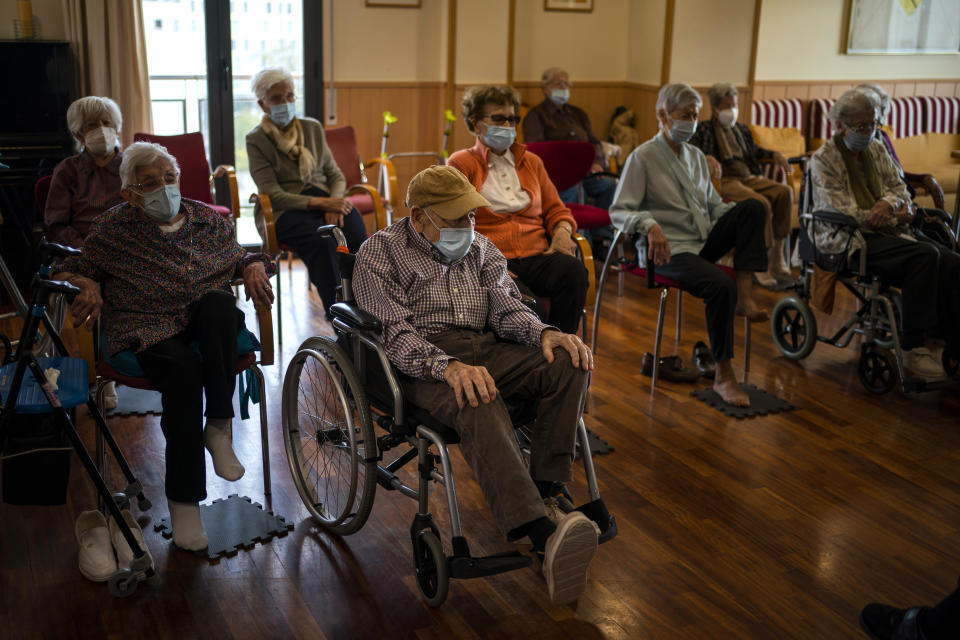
x=278, y=174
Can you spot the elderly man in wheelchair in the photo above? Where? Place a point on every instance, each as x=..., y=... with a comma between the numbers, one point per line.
x=439, y=300
x=853, y=175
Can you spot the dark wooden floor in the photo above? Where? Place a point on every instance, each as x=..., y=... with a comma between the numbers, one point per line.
x=773, y=527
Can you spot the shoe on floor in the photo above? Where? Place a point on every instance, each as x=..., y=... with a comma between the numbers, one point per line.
x=704, y=360
x=568, y=554
x=921, y=362
x=671, y=368
x=883, y=622
x=110, y=396
x=124, y=552
x=97, y=562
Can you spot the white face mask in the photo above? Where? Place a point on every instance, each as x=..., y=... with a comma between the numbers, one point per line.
x=728, y=117
x=101, y=141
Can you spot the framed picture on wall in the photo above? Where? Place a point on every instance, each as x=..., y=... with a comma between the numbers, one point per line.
x=406, y=4
x=568, y=5
x=903, y=26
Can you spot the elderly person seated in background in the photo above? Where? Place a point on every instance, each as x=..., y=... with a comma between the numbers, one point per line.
x=853, y=174
x=556, y=119
x=87, y=184
x=465, y=354
x=733, y=158
x=525, y=219
x=291, y=162
x=666, y=194
x=165, y=265
x=913, y=180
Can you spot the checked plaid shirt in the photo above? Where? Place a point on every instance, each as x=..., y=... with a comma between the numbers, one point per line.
x=405, y=282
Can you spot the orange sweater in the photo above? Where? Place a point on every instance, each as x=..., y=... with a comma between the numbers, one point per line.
x=524, y=233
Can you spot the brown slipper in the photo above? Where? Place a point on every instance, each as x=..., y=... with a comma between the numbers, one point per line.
x=703, y=358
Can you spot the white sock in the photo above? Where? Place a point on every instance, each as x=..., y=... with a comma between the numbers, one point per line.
x=187, y=526
x=218, y=438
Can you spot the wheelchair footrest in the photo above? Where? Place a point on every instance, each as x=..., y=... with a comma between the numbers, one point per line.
x=468, y=567
x=597, y=511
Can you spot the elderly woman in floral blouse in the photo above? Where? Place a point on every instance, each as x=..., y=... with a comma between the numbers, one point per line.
x=165, y=265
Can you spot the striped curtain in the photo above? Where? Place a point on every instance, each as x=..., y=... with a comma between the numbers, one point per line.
x=942, y=115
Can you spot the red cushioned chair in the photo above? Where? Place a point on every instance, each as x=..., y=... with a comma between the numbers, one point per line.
x=656, y=281
x=567, y=164
x=196, y=181
x=41, y=189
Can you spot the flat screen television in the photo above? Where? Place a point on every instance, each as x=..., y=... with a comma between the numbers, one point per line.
x=36, y=92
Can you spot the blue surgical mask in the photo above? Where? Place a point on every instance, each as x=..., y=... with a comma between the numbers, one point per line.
x=283, y=114
x=163, y=204
x=682, y=130
x=499, y=138
x=857, y=141
x=560, y=96
x=453, y=243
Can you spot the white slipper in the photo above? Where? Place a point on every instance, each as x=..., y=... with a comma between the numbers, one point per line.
x=124, y=552
x=97, y=562
x=568, y=554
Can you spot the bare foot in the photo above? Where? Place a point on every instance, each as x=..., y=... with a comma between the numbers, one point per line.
x=729, y=389
x=752, y=311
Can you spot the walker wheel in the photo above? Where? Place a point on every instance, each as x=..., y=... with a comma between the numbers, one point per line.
x=122, y=584
x=794, y=328
x=877, y=371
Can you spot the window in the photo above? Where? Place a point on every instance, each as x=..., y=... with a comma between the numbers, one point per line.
x=268, y=7
x=158, y=24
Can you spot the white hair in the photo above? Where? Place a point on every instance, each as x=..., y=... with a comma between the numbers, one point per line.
x=547, y=76
x=677, y=95
x=719, y=91
x=266, y=78
x=850, y=104
x=84, y=109
x=883, y=99
x=142, y=154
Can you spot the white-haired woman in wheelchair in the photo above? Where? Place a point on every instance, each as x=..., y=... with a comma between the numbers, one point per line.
x=292, y=164
x=165, y=265
x=853, y=174
x=665, y=193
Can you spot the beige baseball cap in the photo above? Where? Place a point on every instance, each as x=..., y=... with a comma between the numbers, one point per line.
x=446, y=191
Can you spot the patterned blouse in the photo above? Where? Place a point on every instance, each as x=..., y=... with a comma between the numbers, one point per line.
x=403, y=280
x=149, y=277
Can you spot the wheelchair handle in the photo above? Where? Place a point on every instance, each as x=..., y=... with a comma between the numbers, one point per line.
x=328, y=230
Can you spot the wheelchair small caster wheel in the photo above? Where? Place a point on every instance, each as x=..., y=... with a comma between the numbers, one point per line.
x=433, y=577
x=877, y=371
x=122, y=501
x=794, y=328
x=122, y=584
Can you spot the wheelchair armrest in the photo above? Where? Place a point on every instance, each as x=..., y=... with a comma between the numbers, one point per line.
x=356, y=317
x=836, y=218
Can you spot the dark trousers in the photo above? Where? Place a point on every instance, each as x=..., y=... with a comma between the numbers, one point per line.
x=600, y=188
x=298, y=229
x=487, y=439
x=915, y=268
x=561, y=278
x=184, y=377
x=742, y=229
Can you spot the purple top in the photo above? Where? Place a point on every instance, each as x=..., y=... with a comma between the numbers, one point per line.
x=150, y=277
x=79, y=193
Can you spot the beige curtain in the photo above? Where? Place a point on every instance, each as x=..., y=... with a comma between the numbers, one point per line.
x=108, y=42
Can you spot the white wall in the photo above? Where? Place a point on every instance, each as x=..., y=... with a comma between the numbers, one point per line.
x=711, y=41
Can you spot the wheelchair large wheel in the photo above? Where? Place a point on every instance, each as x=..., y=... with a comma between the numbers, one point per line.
x=433, y=577
x=794, y=328
x=328, y=436
x=877, y=370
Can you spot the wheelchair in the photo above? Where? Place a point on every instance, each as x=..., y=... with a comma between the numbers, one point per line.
x=334, y=390
x=794, y=326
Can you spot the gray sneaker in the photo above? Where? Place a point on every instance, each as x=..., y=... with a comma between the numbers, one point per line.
x=568, y=554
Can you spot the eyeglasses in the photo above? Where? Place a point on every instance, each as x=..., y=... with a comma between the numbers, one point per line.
x=868, y=127
x=470, y=217
x=151, y=185
x=501, y=119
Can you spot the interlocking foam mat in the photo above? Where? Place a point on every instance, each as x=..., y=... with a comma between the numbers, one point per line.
x=761, y=402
